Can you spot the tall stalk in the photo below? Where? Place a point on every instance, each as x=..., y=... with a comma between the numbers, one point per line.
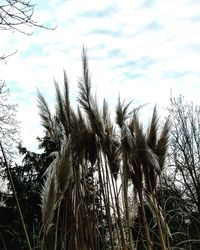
x=16, y=198
x=146, y=227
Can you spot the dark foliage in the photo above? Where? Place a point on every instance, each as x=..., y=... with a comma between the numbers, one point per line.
x=28, y=178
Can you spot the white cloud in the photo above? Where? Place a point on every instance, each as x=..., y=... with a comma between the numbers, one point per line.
x=140, y=49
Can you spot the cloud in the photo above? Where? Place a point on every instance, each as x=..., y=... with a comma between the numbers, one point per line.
x=141, y=50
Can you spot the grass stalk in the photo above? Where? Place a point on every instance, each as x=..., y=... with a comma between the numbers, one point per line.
x=16, y=198
x=146, y=227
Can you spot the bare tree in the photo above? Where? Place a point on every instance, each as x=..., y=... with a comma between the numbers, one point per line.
x=185, y=149
x=9, y=126
x=15, y=13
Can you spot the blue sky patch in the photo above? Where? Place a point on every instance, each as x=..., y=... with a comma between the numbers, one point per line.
x=175, y=74
x=99, y=13
x=147, y=4
x=114, y=53
x=154, y=26
x=106, y=32
x=132, y=75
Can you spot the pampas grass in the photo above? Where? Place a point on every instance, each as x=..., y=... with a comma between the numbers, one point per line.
x=98, y=172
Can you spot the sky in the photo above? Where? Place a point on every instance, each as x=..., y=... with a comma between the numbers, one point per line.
x=144, y=50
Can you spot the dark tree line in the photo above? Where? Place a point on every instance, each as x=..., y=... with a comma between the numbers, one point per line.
x=28, y=178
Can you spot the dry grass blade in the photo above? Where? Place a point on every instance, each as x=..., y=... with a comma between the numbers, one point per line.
x=122, y=113
x=85, y=81
x=49, y=201
x=63, y=166
x=153, y=130
x=162, y=145
x=48, y=122
x=45, y=113
x=111, y=145
x=106, y=118
x=86, y=76
x=66, y=99
x=58, y=180
x=86, y=100
x=60, y=109
x=112, y=151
